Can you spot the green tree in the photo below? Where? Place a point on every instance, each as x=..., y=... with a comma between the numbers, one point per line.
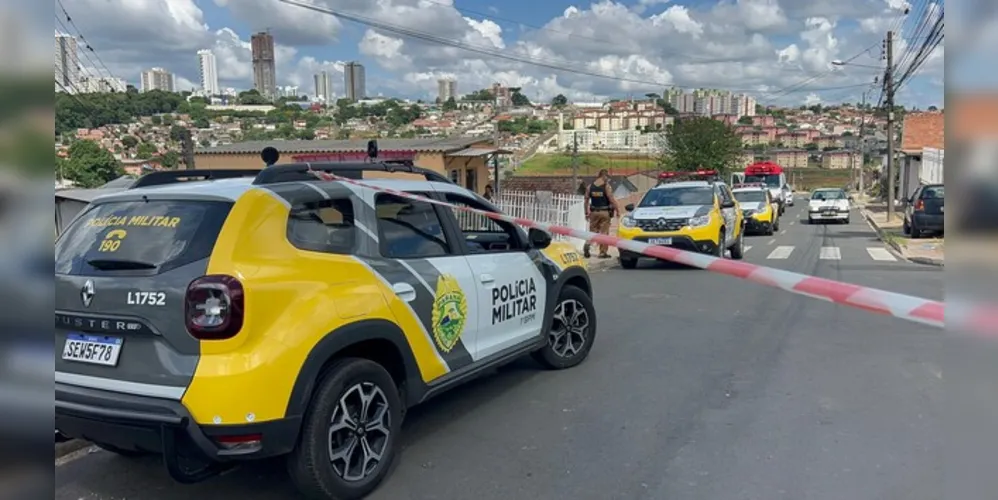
x=170, y=160
x=157, y=120
x=129, y=141
x=700, y=142
x=745, y=120
x=450, y=104
x=559, y=100
x=202, y=123
x=518, y=98
x=811, y=146
x=145, y=151
x=176, y=133
x=90, y=165
x=252, y=97
x=667, y=107
x=480, y=95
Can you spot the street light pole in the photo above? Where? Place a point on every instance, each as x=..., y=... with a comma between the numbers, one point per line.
x=862, y=144
x=889, y=91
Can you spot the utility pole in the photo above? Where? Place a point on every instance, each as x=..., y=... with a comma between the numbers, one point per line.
x=575, y=159
x=889, y=91
x=495, y=158
x=862, y=144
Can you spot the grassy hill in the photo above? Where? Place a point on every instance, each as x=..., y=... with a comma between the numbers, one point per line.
x=589, y=163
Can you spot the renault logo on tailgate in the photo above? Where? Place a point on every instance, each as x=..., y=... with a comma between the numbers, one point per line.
x=87, y=293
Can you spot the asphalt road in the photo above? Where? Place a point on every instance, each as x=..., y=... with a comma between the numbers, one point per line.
x=699, y=387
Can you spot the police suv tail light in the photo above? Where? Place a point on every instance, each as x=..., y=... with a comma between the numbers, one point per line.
x=214, y=307
x=627, y=221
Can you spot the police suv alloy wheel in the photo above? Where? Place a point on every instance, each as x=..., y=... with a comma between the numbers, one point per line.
x=573, y=330
x=350, y=433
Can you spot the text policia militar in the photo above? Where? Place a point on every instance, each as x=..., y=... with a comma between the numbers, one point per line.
x=516, y=299
x=135, y=220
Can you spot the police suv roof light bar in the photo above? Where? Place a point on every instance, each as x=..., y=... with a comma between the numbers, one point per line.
x=706, y=175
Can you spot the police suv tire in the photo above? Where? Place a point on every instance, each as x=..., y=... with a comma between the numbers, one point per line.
x=120, y=451
x=720, y=248
x=628, y=262
x=309, y=464
x=547, y=356
x=738, y=249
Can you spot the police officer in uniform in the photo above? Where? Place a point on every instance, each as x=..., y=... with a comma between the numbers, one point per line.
x=601, y=208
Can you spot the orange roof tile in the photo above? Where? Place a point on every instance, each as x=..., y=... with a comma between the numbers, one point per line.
x=923, y=130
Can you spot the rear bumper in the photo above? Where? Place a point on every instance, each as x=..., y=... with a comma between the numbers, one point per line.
x=928, y=222
x=825, y=216
x=142, y=423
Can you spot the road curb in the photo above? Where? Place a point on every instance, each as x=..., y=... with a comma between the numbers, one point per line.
x=602, y=264
x=895, y=248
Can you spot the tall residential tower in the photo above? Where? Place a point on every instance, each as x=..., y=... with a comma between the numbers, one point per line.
x=209, y=72
x=354, y=81
x=264, y=67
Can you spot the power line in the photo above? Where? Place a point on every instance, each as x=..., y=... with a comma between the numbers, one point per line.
x=427, y=37
x=919, y=27
x=799, y=85
x=86, y=43
x=923, y=53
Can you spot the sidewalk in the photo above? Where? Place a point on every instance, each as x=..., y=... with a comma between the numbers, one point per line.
x=929, y=251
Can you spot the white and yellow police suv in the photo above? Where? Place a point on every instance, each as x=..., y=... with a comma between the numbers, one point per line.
x=252, y=314
x=693, y=211
x=759, y=209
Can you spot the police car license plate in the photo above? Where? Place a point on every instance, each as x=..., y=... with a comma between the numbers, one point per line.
x=93, y=349
x=660, y=241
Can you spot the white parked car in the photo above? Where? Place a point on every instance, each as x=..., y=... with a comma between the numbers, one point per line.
x=828, y=204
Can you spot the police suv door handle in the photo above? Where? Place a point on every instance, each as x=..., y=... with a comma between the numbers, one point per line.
x=404, y=291
x=487, y=279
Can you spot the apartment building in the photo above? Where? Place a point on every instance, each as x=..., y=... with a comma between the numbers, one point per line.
x=764, y=120
x=622, y=118
x=756, y=138
x=264, y=64
x=841, y=159
x=610, y=140
x=795, y=139
x=828, y=141
x=157, y=79
x=790, y=158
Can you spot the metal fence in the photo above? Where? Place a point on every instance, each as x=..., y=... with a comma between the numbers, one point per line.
x=541, y=206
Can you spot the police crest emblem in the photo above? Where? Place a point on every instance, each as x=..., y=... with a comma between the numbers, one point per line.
x=450, y=311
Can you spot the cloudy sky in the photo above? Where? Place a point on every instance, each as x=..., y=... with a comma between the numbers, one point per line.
x=778, y=50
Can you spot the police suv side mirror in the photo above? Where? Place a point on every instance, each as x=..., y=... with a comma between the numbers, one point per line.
x=728, y=204
x=538, y=239
x=629, y=207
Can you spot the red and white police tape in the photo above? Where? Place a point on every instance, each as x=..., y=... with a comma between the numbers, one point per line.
x=964, y=317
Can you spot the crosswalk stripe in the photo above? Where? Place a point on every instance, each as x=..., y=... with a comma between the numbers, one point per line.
x=781, y=252
x=830, y=253
x=882, y=254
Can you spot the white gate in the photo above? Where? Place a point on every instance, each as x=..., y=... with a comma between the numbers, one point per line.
x=541, y=206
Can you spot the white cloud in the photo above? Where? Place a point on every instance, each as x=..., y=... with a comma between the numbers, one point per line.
x=758, y=45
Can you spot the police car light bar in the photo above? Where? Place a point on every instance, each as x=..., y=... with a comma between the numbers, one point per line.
x=698, y=173
x=763, y=168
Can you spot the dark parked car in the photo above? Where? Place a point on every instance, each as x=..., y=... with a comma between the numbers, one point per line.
x=924, y=211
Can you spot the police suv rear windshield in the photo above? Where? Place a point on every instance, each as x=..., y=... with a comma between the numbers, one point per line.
x=750, y=196
x=678, y=197
x=145, y=237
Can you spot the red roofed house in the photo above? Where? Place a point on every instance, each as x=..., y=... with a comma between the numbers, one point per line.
x=922, y=138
